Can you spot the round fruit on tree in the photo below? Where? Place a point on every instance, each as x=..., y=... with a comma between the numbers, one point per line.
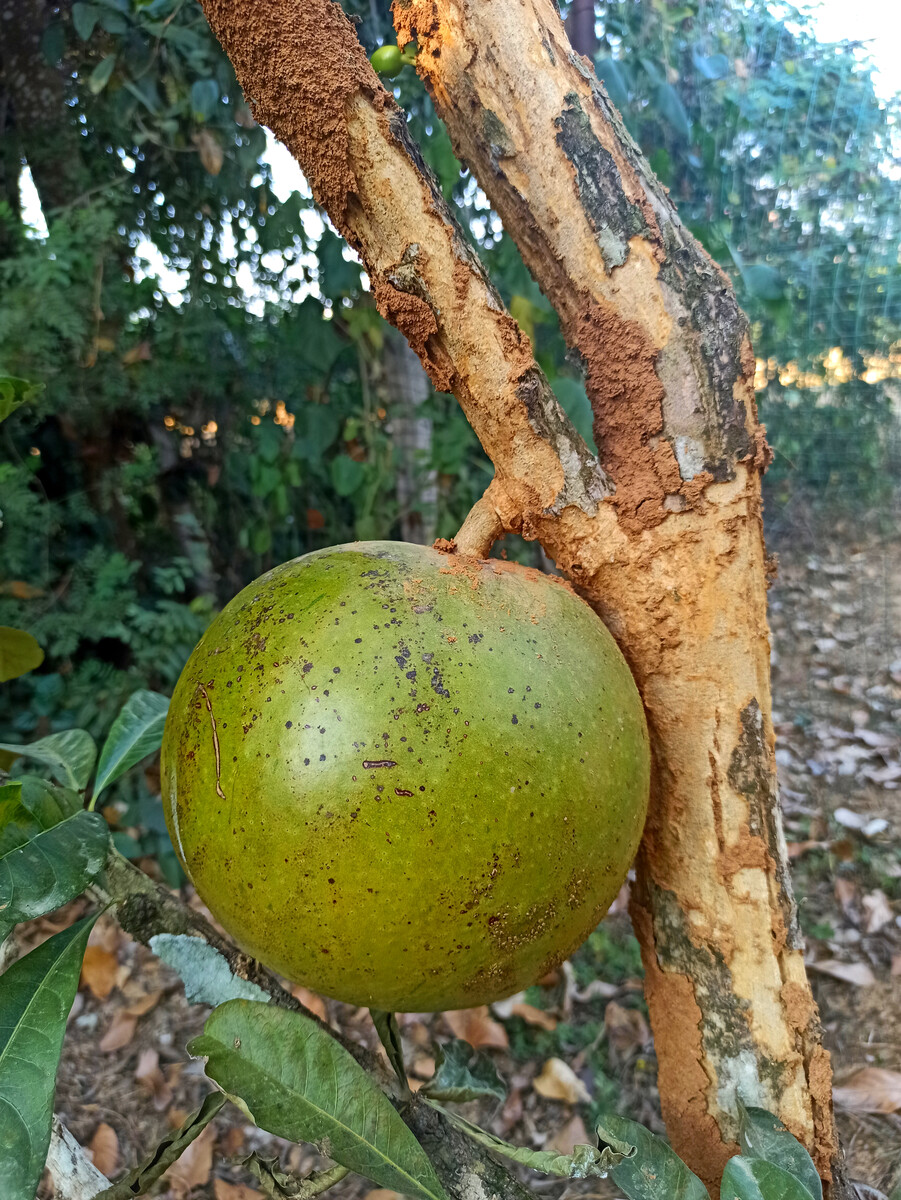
x=407, y=779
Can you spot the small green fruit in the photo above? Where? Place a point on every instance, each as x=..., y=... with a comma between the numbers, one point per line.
x=387, y=60
x=406, y=779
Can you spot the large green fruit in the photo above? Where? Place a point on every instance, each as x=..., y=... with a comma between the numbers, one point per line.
x=407, y=780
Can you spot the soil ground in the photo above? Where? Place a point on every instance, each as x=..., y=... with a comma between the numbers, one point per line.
x=125, y=1081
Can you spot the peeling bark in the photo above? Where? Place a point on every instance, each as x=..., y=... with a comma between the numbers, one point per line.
x=663, y=536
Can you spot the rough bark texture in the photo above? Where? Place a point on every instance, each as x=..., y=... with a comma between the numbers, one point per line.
x=675, y=562
x=664, y=538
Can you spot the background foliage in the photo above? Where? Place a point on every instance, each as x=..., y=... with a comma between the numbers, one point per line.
x=218, y=394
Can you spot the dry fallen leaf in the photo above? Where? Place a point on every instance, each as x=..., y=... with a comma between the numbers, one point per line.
x=121, y=1031
x=870, y=1090
x=535, y=1016
x=558, y=1081
x=311, y=1000
x=234, y=1191
x=142, y=1004
x=896, y=965
x=846, y=894
x=626, y=1028
x=231, y=1141
x=383, y=1194
x=149, y=1076
x=572, y=1134
x=857, y=973
x=193, y=1168
x=877, y=911
x=475, y=1025
x=98, y=971
x=104, y=1148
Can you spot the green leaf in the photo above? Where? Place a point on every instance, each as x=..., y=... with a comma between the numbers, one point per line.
x=671, y=108
x=140, y=1180
x=347, y=475
x=36, y=994
x=763, y=282
x=714, y=66
x=85, y=18
x=761, y=1135
x=14, y=392
x=463, y=1074
x=100, y=76
x=585, y=1162
x=610, y=72
x=575, y=403
x=40, y=869
x=19, y=653
x=72, y=752
x=136, y=732
x=204, y=98
x=389, y=1035
x=755, y=1179
x=297, y=1082
x=655, y=1170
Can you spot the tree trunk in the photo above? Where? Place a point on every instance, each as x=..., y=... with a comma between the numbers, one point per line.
x=407, y=388
x=663, y=536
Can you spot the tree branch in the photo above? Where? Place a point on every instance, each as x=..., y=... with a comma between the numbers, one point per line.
x=145, y=909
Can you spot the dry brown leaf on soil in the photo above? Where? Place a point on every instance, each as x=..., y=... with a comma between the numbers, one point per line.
x=193, y=1168
x=877, y=911
x=857, y=973
x=120, y=1032
x=231, y=1141
x=150, y=1077
x=383, y=1194
x=896, y=965
x=846, y=895
x=143, y=1004
x=476, y=1026
x=234, y=1191
x=311, y=1000
x=535, y=1016
x=98, y=971
x=870, y=1090
x=626, y=1027
x=558, y=1081
x=570, y=1135
x=104, y=1148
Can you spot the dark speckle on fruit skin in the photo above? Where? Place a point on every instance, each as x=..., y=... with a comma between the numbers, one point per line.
x=380, y=893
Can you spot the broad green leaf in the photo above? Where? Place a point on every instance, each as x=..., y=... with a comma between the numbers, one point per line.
x=297, y=1082
x=671, y=108
x=40, y=869
x=347, y=474
x=139, y=1181
x=655, y=1170
x=100, y=76
x=19, y=653
x=136, y=732
x=85, y=18
x=755, y=1179
x=36, y=994
x=204, y=98
x=714, y=66
x=72, y=752
x=612, y=75
x=205, y=972
x=761, y=1135
x=389, y=1035
x=763, y=281
x=585, y=1162
x=463, y=1074
x=14, y=392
